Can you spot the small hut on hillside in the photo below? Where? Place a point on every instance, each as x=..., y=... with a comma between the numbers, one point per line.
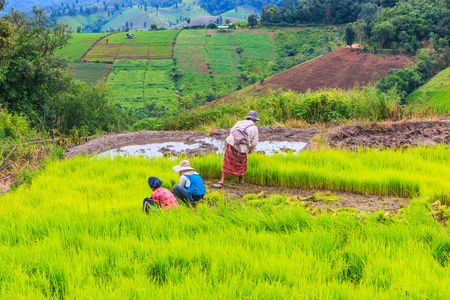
x=130, y=36
x=223, y=28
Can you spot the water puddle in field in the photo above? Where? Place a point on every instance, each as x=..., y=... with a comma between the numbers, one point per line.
x=199, y=147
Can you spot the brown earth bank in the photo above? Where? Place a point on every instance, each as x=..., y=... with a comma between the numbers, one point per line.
x=115, y=141
x=341, y=68
x=406, y=133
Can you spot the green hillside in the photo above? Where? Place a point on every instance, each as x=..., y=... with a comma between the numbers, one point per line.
x=434, y=95
x=241, y=12
x=83, y=20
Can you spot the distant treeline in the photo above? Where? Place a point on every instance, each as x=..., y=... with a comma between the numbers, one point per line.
x=418, y=18
x=216, y=7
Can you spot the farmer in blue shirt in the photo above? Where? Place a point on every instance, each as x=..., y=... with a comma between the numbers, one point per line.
x=191, y=187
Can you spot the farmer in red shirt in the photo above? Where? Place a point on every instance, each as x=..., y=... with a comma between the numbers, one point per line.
x=160, y=197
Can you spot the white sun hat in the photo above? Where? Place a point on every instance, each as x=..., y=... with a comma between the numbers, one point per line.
x=183, y=166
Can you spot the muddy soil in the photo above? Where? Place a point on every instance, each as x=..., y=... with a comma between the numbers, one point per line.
x=404, y=134
x=115, y=141
x=363, y=203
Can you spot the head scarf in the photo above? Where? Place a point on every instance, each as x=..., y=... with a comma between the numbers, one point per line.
x=154, y=182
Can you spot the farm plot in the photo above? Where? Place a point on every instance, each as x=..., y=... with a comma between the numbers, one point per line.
x=103, y=52
x=91, y=72
x=256, y=44
x=127, y=81
x=136, y=51
x=142, y=37
x=223, y=59
x=158, y=85
x=191, y=37
x=190, y=51
x=137, y=82
x=160, y=51
x=78, y=45
x=201, y=83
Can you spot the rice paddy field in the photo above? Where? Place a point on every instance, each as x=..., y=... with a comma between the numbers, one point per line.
x=137, y=82
x=78, y=231
x=91, y=72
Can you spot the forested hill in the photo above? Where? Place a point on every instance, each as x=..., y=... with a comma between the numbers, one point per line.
x=214, y=7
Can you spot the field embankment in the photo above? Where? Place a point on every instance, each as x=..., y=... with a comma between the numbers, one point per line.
x=342, y=68
x=406, y=133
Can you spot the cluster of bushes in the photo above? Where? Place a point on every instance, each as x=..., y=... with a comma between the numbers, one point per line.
x=281, y=107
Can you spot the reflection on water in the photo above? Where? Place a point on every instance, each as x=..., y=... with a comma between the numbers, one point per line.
x=152, y=150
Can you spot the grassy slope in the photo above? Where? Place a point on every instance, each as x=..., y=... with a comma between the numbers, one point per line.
x=135, y=15
x=241, y=12
x=83, y=20
x=78, y=45
x=78, y=232
x=186, y=9
x=435, y=94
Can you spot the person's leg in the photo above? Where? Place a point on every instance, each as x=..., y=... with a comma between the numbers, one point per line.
x=240, y=181
x=222, y=180
x=181, y=193
x=150, y=205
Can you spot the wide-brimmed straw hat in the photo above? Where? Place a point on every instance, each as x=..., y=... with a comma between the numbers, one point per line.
x=183, y=166
x=252, y=115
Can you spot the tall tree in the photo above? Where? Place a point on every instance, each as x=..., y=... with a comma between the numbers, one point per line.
x=30, y=74
x=383, y=32
x=359, y=28
x=252, y=20
x=349, y=35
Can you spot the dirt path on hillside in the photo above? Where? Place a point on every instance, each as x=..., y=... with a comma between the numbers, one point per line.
x=115, y=141
x=406, y=133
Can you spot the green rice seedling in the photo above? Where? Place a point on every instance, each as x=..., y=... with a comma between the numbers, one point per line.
x=79, y=231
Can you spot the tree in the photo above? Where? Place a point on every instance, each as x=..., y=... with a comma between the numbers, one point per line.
x=383, y=32
x=349, y=35
x=359, y=28
x=252, y=20
x=212, y=25
x=31, y=75
x=153, y=26
x=188, y=21
x=79, y=28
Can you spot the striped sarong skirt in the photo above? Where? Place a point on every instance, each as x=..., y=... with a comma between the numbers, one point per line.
x=234, y=163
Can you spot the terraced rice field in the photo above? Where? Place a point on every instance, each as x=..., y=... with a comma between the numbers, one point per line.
x=91, y=72
x=137, y=82
x=219, y=55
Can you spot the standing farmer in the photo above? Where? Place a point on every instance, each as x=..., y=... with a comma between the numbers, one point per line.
x=242, y=141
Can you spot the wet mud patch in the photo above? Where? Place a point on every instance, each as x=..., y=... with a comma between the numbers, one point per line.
x=170, y=141
x=402, y=134
x=362, y=203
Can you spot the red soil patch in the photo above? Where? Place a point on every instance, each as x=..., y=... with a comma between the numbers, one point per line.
x=342, y=68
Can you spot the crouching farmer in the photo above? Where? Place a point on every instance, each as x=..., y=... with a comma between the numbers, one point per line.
x=161, y=197
x=191, y=187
